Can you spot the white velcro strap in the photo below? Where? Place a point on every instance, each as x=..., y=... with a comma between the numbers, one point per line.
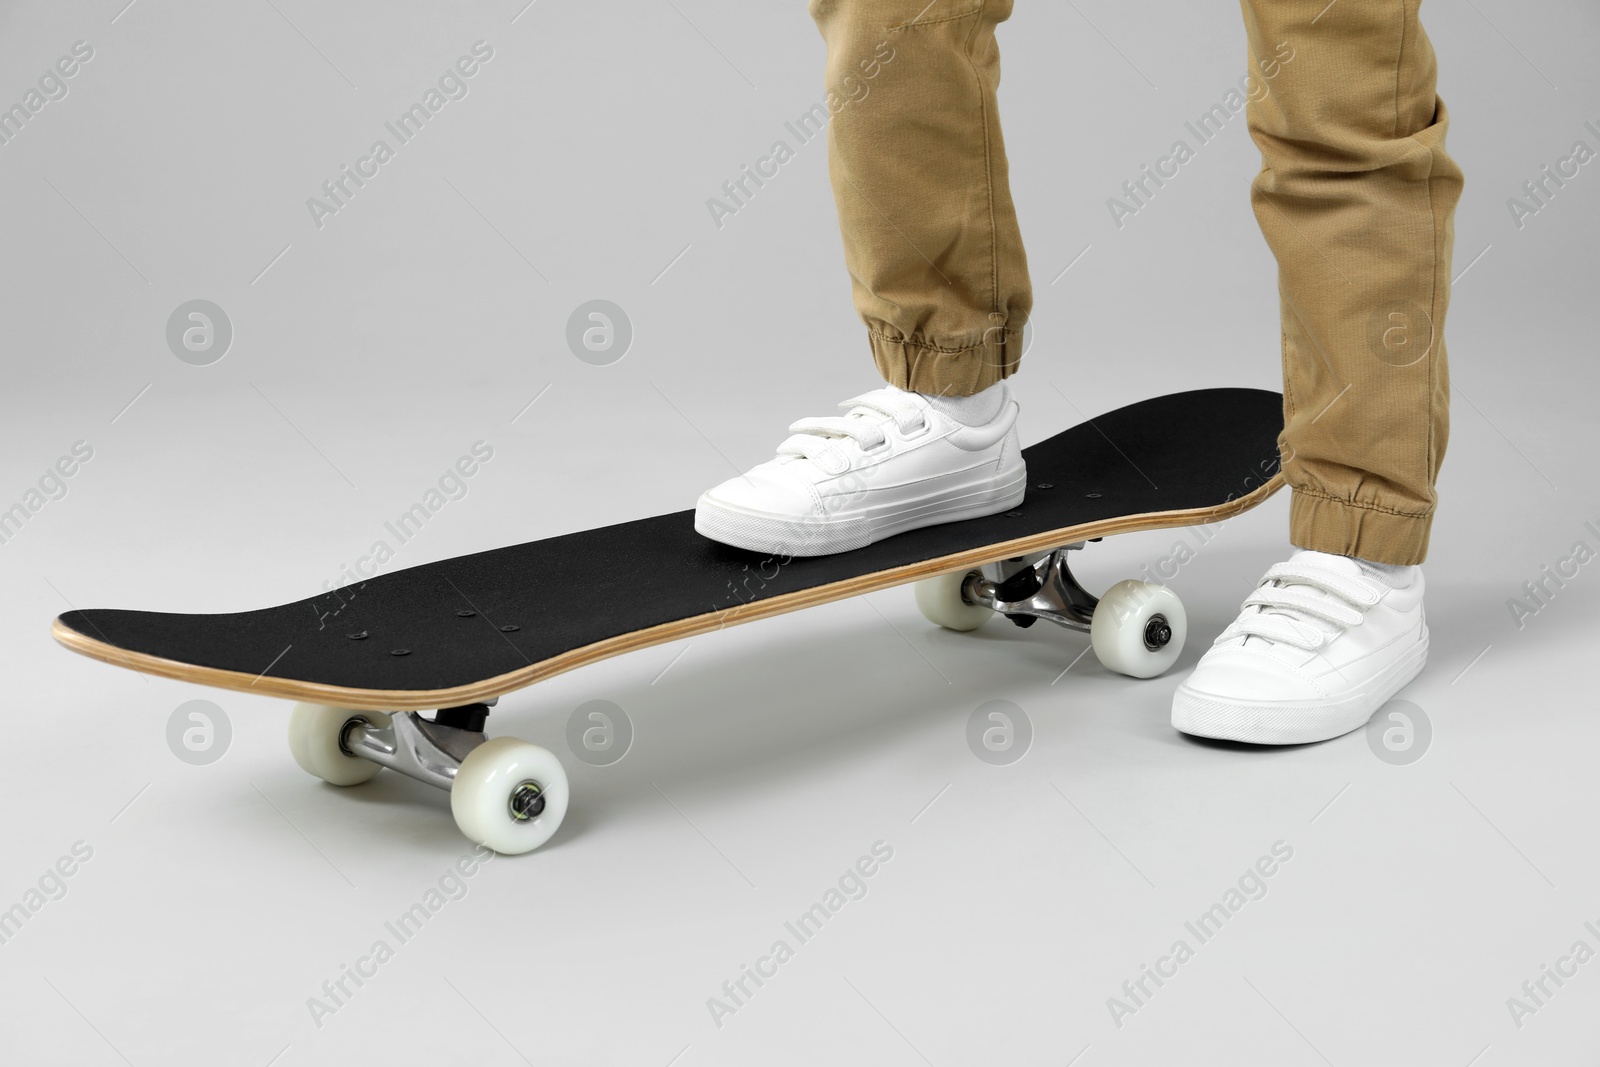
x=802, y=445
x=1350, y=589
x=1305, y=602
x=866, y=434
x=1278, y=628
x=903, y=409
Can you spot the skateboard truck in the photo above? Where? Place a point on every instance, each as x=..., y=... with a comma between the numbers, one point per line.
x=1028, y=588
x=415, y=747
x=504, y=793
x=1137, y=628
x=432, y=751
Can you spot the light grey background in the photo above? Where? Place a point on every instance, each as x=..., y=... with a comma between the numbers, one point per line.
x=425, y=316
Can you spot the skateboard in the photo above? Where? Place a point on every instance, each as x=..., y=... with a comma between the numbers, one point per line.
x=400, y=670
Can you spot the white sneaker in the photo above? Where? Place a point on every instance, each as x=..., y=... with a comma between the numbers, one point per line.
x=1320, y=646
x=892, y=462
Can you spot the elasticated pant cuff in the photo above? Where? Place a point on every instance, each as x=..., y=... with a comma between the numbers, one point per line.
x=1344, y=528
x=926, y=368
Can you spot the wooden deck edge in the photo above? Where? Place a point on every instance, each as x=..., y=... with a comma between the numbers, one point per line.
x=427, y=699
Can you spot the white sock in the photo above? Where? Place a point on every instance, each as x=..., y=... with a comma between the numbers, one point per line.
x=975, y=410
x=1394, y=575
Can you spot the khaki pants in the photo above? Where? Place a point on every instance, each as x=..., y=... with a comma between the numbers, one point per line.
x=1355, y=197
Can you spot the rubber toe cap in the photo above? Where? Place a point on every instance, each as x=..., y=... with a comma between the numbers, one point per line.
x=1241, y=673
x=766, y=490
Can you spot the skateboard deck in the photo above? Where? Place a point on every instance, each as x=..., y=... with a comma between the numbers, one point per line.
x=473, y=628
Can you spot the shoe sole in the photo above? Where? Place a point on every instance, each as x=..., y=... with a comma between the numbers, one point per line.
x=1293, y=722
x=780, y=535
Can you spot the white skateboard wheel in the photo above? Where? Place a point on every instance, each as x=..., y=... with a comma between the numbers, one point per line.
x=1138, y=628
x=942, y=604
x=315, y=731
x=510, y=795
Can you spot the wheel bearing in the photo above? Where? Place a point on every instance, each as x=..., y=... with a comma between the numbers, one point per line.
x=1157, y=633
x=526, y=801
